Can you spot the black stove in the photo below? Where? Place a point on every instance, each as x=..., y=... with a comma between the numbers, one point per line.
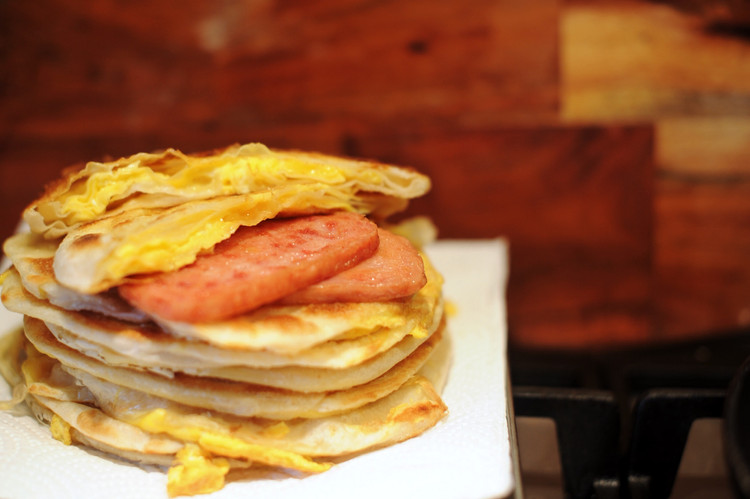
x=622, y=419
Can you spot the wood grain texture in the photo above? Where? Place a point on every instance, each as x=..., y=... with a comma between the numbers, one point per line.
x=608, y=141
x=684, y=69
x=106, y=68
x=576, y=206
x=702, y=211
x=109, y=78
x=702, y=248
x=626, y=60
x=714, y=148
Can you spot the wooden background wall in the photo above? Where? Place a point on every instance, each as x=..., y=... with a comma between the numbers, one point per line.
x=609, y=141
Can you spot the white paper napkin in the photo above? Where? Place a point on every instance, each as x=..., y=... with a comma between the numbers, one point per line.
x=467, y=455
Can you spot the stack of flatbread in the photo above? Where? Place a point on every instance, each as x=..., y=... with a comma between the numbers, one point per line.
x=196, y=376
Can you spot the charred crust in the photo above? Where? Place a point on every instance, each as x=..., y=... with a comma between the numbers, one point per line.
x=86, y=240
x=43, y=266
x=416, y=412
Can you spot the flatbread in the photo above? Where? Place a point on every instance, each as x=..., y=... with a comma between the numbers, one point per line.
x=292, y=329
x=277, y=386
x=268, y=331
x=285, y=330
x=113, y=424
x=100, y=254
x=299, y=379
x=407, y=412
x=33, y=257
x=149, y=347
x=110, y=434
x=156, y=212
x=235, y=398
x=170, y=178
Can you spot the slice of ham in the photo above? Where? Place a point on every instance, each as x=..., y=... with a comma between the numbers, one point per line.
x=256, y=266
x=395, y=271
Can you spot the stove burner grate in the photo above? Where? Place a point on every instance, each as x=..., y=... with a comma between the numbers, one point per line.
x=623, y=417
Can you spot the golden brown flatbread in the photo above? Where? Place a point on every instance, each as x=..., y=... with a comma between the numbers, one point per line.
x=122, y=421
x=231, y=397
x=282, y=385
x=156, y=212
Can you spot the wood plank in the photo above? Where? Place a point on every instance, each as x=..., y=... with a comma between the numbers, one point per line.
x=619, y=233
x=480, y=66
x=626, y=60
x=632, y=60
x=709, y=148
x=104, y=68
x=576, y=211
x=108, y=78
x=702, y=270
x=575, y=204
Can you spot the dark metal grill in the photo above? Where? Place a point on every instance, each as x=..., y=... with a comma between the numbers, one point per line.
x=623, y=417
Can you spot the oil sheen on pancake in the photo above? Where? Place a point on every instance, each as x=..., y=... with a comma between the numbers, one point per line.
x=257, y=265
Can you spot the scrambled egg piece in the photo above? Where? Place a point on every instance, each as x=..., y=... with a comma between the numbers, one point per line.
x=154, y=212
x=171, y=177
x=236, y=171
x=60, y=430
x=216, y=438
x=279, y=430
x=451, y=309
x=195, y=472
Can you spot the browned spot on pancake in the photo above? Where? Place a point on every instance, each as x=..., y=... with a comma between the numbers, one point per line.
x=417, y=412
x=42, y=390
x=42, y=270
x=42, y=266
x=94, y=422
x=125, y=218
x=85, y=240
x=116, y=328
